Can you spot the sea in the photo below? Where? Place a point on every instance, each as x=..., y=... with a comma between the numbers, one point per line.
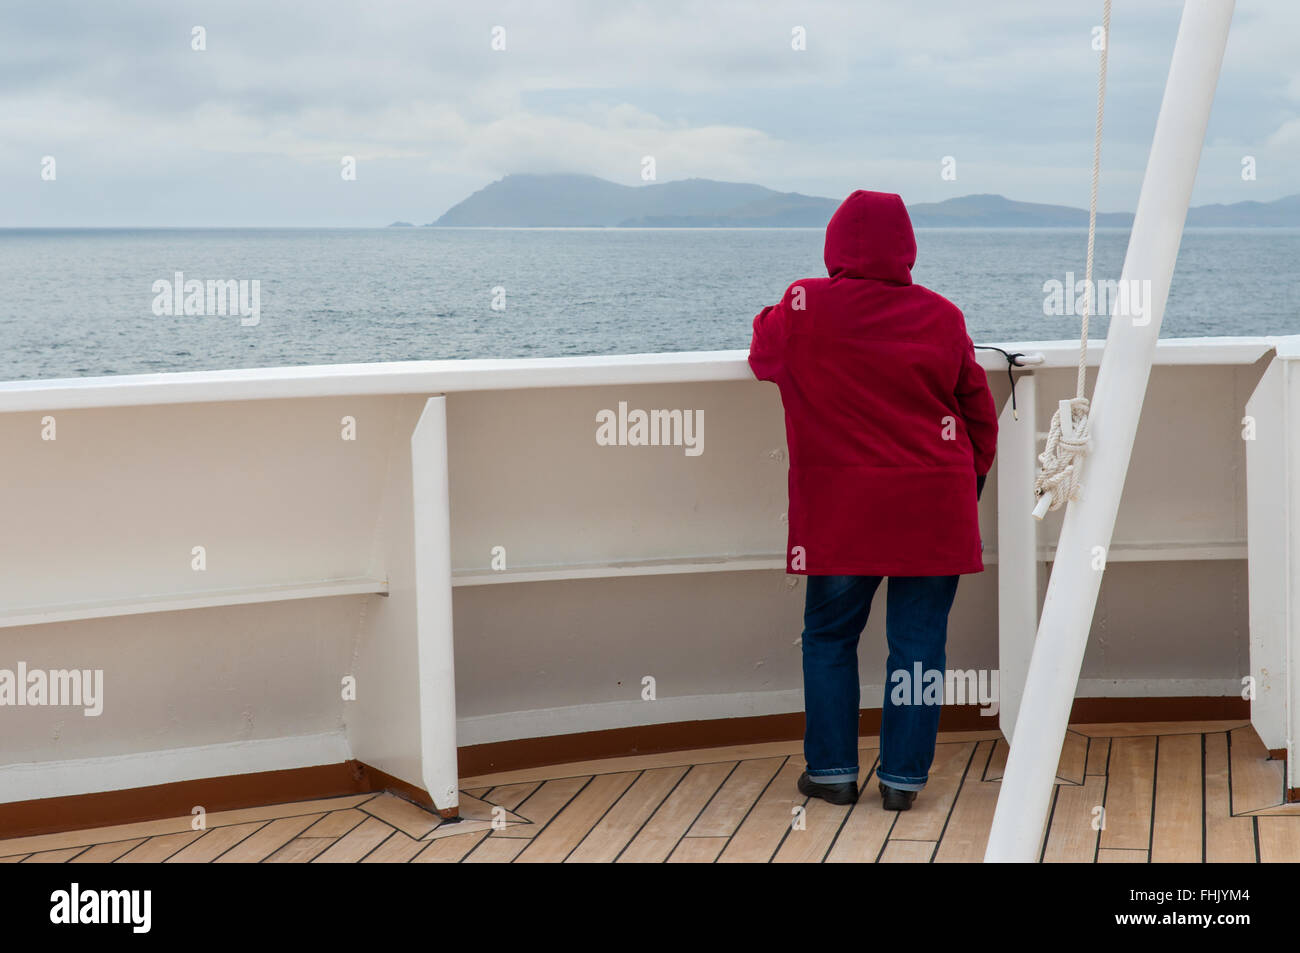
x=94, y=302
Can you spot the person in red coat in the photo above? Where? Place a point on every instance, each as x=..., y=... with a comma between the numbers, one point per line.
x=891, y=430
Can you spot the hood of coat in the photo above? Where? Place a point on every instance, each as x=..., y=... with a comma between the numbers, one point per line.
x=870, y=236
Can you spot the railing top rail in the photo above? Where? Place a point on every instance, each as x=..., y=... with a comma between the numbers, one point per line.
x=433, y=377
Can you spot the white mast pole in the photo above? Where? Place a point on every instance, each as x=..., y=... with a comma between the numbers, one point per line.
x=1116, y=406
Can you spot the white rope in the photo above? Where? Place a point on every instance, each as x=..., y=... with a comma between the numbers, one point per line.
x=1062, y=458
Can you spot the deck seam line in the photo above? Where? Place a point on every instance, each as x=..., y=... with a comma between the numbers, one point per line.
x=275, y=850
x=1205, y=841
x=709, y=800
x=1105, y=797
x=657, y=808
x=631, y=784
x=871, y=772
x=339, y=837
x=391, y=831
x=947, y=818
x=542, y=830
x=741, y=823
x=238, y=842
x=1155, y=778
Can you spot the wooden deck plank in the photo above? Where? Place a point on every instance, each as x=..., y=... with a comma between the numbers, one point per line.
x=568, y=828
x=290, y=809
x=174, y=825
x=1142, y=729
x=510, y=796
x=908, y=851
x=1098, y=753
x=975, y=737
x=214, y=843
x=822, y=822
x=301, y=850
x=655, y=842
x=54, y=856
x=998, y=763
x=1069, y=766
x=1280, y=810
x=929, y=813
x=617, y=828
x=864, y=832
x=1257, y=782
x=1111, y=855
x=106, y=853
x=155, y=850
x=768, y=821
x=495, y=849
x=1074, y=756
x=741, y=809
x=1071, y=838
x=411, y=819
x=458, y=829
x=474, y=809
x=1129, y=793
x=398, y=849
x=356, y=843
x=697, y=850
x=967, y=834
x=543, y=804
x=1179, y=814
x=644, y=762
x=734, y=799
x=336, y=823
x=265, y=842
x=1279, y=839
x=451, y=850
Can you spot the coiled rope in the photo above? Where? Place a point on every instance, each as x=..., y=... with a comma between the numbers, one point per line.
x=1061, y=461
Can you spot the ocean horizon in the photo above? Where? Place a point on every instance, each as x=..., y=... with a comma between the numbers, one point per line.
x=82, y=301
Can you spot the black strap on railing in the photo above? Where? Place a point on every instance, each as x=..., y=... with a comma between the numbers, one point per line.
x=1013, y=360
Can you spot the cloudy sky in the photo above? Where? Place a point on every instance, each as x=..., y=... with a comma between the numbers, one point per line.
x=146, y=130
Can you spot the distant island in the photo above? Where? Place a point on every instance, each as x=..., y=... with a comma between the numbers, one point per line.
x=567, y=200
x=400, y=225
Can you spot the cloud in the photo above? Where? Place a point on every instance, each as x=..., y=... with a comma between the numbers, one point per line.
x=417, y=94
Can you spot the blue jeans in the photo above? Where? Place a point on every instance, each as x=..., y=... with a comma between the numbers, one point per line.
x=916, y=626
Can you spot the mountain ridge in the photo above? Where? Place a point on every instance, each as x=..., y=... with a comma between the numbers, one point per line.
x=549, y=200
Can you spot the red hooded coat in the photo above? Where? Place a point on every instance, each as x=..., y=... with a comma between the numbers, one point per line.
x=888, y=417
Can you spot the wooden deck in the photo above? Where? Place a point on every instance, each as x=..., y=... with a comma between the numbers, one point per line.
x=1170, y=792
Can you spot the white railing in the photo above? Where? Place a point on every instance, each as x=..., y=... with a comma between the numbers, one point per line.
x=327, y=556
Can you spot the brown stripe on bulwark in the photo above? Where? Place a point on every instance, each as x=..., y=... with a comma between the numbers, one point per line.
x=232, y=792
x=679, y=736
x=177, y=799
x=1094, y=711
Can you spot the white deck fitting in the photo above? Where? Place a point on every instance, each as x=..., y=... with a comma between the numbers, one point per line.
x=437, y=663
x=1273, y=469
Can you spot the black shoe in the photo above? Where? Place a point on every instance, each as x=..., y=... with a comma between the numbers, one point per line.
x=844, y=793
x=895, y=799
